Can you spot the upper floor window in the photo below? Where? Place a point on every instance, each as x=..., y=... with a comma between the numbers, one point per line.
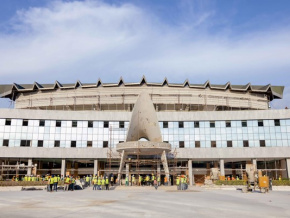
x=41, y=122
x=73, y=144
x=277, y=122
x=24, y=122
x=105, y=144
x=262, y=143
x=6, y=142
x=106, y=124
x=25, y=143
x=228, y=123
x=56, y=144
x=196, y=124
x=165, y=124
x=89, y=144
x=180, y=124
x=8, y=122
x=229, y=144
x=181, y=144
x=245, y=143
x=40, y=143
x=213, y=144
x=212, y=124
x=260, y=123
x=197, y=144
x=74, y=123
x=121, y=124
x=90, y=124
x=58, y=123
x=244, y=123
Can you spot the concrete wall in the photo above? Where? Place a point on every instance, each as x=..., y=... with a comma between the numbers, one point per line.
x=162, y=116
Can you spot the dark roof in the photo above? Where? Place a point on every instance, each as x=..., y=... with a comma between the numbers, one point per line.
x=10, y=91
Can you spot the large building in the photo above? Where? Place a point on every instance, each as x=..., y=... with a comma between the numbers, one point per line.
x=76, y=128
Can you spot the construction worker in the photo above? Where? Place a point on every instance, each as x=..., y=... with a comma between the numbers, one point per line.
x=73, y=182
x=127, y=181
x=51, y=182
x=147, y=180
x=140, y=180
x=87, y=181
x=103, y=183
x=165, y=180
x=95, y=182
x=177, y=182
x=159, y=180
x=55, y=183
x=280, y=178
x=238, y=178
x=133, y=180
x=99, y=183
x=112, y=180
x=107, y=183
x=66, y=183
x=182, y=182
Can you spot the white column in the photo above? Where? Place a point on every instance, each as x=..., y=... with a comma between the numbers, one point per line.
x=190, y=172
x=63, y=163
x=127, y=170
x=222, y=167
x=29, y=169
x=254, y=162
x=158, y=169
x=288, y=168
x=96, y=162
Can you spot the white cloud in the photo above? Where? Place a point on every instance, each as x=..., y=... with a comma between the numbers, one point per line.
x=66, y=41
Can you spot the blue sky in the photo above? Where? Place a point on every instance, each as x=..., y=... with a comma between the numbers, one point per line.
x=238, y=41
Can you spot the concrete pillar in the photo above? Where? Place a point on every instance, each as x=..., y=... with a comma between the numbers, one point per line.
x=62, y=171
x=127, y=170
x=190, y=172
x=158, y=169
x=96, y=167
x=284, y=165
x=165, y=166
x=222, y=167
x=122, y=163
x=29, y=169
x=254, y=162
x=288, y=168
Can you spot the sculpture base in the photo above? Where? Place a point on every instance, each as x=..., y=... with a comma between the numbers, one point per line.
x=143, y=147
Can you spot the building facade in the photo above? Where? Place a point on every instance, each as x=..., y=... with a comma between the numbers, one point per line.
x=74, y=129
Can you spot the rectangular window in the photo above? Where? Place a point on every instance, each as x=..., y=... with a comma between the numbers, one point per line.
x=73, y=144
x=165, y=141
x=121, y=141
x=277, y=122
x=58, y=123
x=121, y=124
x=25, y=143
x=41, y=122
x=213, y=144
x=245, y=143
x=244, y=123
x=6, y=142
x=106, y=124
x=262, y=143
x=89, y=144
x=165, y=125
x=228, y=124
x=24, y=122
x=260, y=123
x=56, y=144
x=229, y=144
x=196, y=124
x=197, y=144
x=105, y=144
x=40, y=143
x=90, y=124
x=181, y=144
x=180, y=124
x=74, y=123
x=212, y=124
x=8, y=122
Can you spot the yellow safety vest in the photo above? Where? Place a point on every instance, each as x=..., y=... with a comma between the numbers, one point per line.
x=99, y=181
x=67, y=180
x=103, y=182
x=107, y=181
x=51, y=180
x=55, y=179
x=177, y=181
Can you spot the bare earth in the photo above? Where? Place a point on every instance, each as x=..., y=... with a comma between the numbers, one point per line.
x=144, y=202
